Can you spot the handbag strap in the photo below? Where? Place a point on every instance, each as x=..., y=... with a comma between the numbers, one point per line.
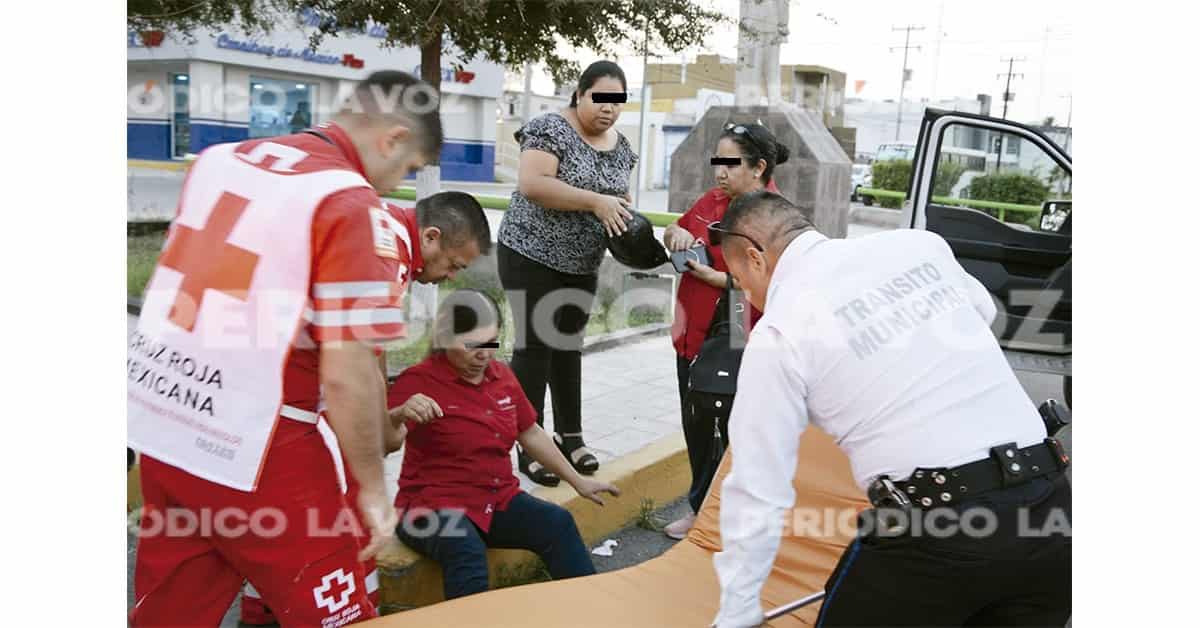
x=721, y=313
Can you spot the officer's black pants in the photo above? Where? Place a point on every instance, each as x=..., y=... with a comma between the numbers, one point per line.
x=1013, y=577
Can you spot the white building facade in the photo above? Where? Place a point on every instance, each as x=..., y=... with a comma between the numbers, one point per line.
x=227, y=87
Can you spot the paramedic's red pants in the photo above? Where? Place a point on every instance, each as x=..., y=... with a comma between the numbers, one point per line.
x=289, y=538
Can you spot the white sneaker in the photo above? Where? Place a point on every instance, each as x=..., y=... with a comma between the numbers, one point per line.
x=678, y=529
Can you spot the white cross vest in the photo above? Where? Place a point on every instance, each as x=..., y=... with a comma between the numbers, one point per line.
x=205, y=363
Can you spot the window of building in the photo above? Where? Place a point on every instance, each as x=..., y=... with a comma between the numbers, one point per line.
x=279, y=107
x=181, y=128
x=977, y=139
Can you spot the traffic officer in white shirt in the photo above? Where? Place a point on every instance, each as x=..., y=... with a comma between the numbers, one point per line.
x=884, y=342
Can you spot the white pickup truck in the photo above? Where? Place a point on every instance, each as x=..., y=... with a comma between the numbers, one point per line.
x=1025, y=263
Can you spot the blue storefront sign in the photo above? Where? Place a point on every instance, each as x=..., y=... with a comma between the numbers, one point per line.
x=281, y=52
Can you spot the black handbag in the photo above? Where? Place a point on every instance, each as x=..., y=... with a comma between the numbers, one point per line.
x=715, y=368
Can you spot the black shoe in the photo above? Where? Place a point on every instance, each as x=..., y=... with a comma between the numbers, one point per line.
x=577, y=453
x=535, y=471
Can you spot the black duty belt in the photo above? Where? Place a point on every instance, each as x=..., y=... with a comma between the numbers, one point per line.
x=1006, y=465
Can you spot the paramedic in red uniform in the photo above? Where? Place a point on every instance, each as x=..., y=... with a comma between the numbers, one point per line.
x=450, y=230
x=309, y=576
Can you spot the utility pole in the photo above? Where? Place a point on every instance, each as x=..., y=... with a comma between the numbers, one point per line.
x=528, y=95
x=637, y=192
x=1008, y=76
x=904, y=74
x=1042, y=73
x=937, y=52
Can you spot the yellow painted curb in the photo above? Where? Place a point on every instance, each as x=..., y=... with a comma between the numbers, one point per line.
x=173, y=166
x=658, y=472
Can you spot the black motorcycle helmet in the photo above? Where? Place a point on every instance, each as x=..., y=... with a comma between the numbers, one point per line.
x=637, y=247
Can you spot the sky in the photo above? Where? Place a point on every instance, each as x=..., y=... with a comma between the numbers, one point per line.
x=855, y=38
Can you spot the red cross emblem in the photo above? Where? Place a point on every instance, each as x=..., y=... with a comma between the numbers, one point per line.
x=208, y=261
x=343, y=589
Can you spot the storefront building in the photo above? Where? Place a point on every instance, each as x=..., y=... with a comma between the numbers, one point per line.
x=226, y=87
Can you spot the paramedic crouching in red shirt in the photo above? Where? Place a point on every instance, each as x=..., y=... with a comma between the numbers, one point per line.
x=458, y=495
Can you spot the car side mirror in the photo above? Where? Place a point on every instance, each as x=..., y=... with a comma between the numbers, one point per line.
x=1054, y=216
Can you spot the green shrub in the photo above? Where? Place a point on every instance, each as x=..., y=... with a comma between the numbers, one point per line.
x=891, y=175
x=640, y=315
x=947, y=176
x=1009, y=187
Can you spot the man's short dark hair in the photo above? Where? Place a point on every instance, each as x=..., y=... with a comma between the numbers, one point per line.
x=776, y=214
x=391, y=92
x=460, y=218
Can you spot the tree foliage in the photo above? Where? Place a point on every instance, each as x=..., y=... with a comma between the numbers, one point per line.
x=509, y=32
x=185, y=17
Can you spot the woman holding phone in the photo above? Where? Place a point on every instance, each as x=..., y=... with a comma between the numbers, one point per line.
x=745, y=158
x=572, y=192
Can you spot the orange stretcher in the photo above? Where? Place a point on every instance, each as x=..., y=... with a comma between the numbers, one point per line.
x=678, y=588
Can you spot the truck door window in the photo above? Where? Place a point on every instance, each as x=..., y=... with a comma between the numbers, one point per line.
x=1001, y=174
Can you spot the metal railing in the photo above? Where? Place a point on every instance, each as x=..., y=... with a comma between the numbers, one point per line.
x=1000, y=208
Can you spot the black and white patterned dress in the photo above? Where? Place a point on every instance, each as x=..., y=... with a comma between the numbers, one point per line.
x=568, y=241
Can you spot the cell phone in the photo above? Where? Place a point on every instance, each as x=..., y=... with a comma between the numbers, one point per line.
x=679, y=259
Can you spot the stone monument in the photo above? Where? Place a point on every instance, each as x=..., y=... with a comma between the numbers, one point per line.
x=817, y=175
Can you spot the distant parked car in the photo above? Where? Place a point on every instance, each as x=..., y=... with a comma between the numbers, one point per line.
x=860, y=177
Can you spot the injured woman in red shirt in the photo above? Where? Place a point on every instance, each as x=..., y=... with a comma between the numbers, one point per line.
x=458, y=414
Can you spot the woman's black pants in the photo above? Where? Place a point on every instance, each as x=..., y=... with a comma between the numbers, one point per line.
x=550, y=314
x=705, y=431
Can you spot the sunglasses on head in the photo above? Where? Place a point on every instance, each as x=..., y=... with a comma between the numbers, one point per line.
x=716, y=234
x=742, y=129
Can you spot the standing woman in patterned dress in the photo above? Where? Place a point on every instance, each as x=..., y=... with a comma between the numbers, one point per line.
x=573, y=190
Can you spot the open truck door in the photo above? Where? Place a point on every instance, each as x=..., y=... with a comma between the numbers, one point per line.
x=1000, y=194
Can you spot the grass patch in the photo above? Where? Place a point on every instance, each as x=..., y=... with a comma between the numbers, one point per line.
x=406, y=352
x=141, y=254
x=519, y=574
x=646, y=518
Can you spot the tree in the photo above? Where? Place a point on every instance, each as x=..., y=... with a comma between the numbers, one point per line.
x=184, y=17
x=508, y=32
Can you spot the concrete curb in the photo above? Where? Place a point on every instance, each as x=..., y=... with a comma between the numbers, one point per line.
x=616, y=339
x=875, y=216
x=658, y=472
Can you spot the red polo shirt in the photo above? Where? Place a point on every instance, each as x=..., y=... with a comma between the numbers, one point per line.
x=461, y=460
x=411, y=262
x=695, y=300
